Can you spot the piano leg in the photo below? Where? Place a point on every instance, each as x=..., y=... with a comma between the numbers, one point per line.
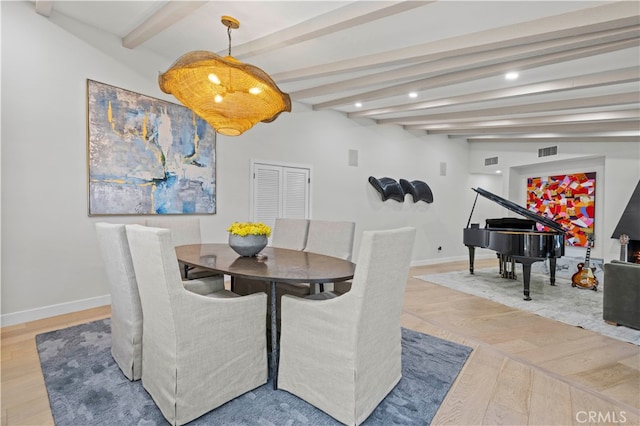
x=472, y=255
x=552, y=270
x=526, y=273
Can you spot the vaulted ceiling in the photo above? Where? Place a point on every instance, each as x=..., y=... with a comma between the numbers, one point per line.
x=430, y=66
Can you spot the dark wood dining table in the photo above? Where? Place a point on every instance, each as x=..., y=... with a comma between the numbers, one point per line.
x=272, y=265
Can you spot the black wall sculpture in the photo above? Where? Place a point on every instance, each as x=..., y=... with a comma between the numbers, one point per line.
x=389, y=188
x=418, y=189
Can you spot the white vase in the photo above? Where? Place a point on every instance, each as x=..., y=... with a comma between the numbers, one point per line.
x=249, y=245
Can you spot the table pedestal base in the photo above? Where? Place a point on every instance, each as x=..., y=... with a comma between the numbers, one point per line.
x=274, y=336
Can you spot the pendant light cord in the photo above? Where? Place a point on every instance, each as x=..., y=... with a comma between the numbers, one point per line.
x=229, y=35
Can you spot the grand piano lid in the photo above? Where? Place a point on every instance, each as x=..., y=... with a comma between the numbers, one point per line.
x=520, y=210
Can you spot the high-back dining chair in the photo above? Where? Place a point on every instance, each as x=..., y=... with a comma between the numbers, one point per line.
x=126, y=312
x=200, y=352
x=331, y=238
x=290, y=233
x=351, y=345
x=184, y=231
x=287, y=234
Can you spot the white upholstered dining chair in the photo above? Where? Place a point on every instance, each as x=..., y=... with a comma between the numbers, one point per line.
x=351, y=345
x=199, y=351
x=184, y=231
x=290, y=233
x=126, y=312
x=331, y=238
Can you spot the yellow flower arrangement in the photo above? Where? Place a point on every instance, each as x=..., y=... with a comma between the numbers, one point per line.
x=249, y=228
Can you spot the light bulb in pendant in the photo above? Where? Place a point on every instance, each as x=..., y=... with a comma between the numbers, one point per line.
x=214, y=78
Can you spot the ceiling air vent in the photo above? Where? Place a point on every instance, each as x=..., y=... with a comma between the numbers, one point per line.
x=490, y=161
x=545, y=152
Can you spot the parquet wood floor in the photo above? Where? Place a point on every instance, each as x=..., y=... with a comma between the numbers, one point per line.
x=524, y=370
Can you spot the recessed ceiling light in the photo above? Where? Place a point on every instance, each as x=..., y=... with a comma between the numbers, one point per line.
x=413, y=95
x=511, y=75
x=498, y=171
x=358, y=104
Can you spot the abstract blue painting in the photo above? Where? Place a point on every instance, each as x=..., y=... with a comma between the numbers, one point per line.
x=147, y=156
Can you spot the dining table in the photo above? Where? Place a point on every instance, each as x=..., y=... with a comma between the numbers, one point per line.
x=272, y=265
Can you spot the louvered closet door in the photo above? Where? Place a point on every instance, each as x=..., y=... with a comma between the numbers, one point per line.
x=279, y=191
x=295, y=200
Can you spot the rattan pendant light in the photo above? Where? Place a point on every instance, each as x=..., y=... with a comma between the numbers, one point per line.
x=230, y=95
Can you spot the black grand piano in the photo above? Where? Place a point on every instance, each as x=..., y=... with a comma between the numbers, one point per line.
x=516, y=240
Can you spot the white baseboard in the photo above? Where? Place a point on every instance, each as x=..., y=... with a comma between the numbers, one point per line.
x=53, y=310
x=449, y=259
x=94, y=302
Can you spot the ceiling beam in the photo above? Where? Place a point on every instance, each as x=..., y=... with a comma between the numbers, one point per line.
x=600, y=18
x=349, y=16
x=625, y=75
x=472, y=74
x=164, y=18
x=528, y=108
x=476, y=60
x=599, y=126
x=556, y=139
x=497, y=124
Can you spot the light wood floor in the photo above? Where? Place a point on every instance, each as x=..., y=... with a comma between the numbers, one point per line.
x=524, y=369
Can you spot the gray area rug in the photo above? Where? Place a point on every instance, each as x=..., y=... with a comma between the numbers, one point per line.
x=86, y=387
x=570, y=305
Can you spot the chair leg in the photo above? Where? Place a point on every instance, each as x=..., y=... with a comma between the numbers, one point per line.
x=315, y=288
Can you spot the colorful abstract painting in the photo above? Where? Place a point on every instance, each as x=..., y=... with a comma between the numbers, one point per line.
x=147, y=156
x=567, y=199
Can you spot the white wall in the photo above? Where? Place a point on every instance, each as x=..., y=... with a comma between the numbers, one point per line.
x=617, y=167
x=342, y=192
x=50, y=259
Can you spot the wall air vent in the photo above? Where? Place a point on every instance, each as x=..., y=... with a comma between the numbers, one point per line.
x=545, y=152
x=490, y=161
